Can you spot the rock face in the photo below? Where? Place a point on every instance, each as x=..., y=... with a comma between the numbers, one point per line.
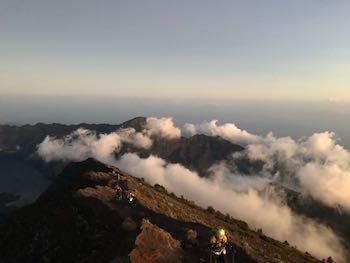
x=154, y=244
x=78, y=219
x=190, y=240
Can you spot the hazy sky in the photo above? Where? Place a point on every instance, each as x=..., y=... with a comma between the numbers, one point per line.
x=296, y=119
x=269, y=49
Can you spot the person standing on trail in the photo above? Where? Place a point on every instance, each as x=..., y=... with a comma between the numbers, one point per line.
x=218, y=241
x=219, y=246
x=124, y=185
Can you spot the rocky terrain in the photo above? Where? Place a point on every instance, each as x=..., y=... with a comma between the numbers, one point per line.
x=78, y=219
x=5, y=205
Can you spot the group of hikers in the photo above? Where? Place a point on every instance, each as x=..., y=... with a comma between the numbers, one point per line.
x=220, y=250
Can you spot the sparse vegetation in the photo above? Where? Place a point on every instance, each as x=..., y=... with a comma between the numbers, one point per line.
x=240, y=228
x=160, y=188
x=211, y=210
x=154, y=203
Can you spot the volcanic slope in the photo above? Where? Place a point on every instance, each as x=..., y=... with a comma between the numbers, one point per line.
x=78, y=219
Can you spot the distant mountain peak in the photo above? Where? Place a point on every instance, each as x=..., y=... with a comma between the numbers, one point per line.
x=137, y=123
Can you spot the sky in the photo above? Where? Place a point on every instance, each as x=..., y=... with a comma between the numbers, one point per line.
x=256, y=50
x=296, y=119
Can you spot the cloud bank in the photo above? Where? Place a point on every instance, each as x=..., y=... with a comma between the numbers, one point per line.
x=162, y=127
x=227, y=131
x=82, y=144
x=318, y=164
x=241, y=198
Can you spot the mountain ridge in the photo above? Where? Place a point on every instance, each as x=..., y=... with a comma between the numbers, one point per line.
x=78, y=219
x=198, y=152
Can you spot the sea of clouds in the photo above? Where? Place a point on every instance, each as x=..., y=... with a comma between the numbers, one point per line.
x=318, y=166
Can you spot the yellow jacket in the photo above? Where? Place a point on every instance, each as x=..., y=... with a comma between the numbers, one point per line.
x=218, y=245
x=216, y=241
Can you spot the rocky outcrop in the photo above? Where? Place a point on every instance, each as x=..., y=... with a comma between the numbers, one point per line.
x=155, y=245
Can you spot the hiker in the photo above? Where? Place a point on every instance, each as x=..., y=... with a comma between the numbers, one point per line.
x=124, y=185
x=131, y=196
x=119, y=192
x=122, y=189
x=218, y=245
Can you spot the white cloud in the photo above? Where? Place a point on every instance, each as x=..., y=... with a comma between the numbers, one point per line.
x=189, y=129
x=83, y=143
x=227, y=131
x=239, y=197
x=162, y=127
x=318, y=163
x=292, y=159
x=138, y=139
x=328, y=183
x=237, y=181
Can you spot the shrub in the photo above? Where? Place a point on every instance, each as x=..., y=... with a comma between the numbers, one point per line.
x=228, y=218
x=160, y=188
x=211, y=210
